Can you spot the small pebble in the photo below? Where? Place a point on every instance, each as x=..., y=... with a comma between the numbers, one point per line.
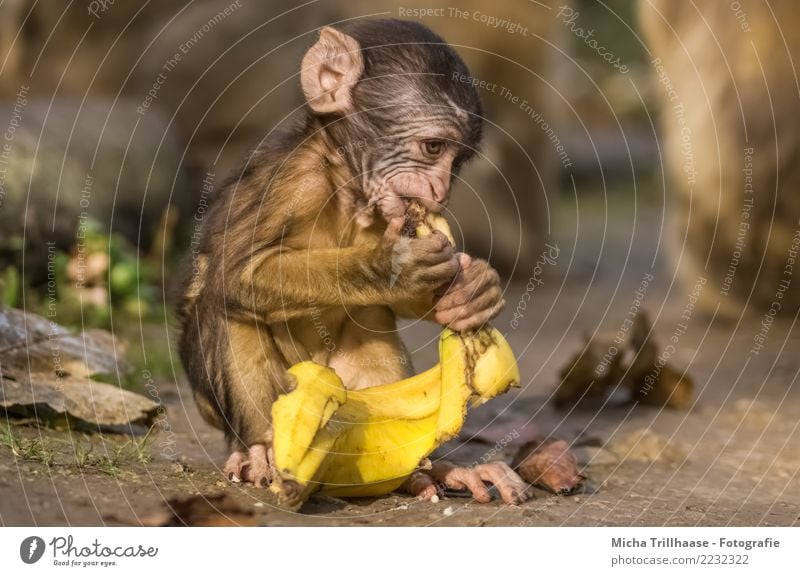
x=449, y=511
x=259, y=504
x=577, y=499
x=435, y=499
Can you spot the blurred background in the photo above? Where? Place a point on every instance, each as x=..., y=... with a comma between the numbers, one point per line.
x=118, y=115
x=638, y=155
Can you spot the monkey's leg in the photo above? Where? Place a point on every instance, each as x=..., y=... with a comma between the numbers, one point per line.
x=512, y=488
x=254, y=375
x=369, y=351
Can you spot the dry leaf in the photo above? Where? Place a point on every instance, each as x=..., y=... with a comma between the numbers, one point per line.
x=550, y=464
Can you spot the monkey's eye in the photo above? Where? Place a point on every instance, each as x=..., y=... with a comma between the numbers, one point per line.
x=433, y=148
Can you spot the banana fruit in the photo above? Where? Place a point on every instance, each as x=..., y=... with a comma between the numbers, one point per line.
x=367, y=442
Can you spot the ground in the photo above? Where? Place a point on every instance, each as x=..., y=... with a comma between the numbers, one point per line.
x=733, y=458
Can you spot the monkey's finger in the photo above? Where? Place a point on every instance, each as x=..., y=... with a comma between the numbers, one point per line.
x=460, y=478
x=394, y=230
x=471, y=282
x=462, y=292
x=258, y=471
x=460, y=322
x=421, y=485
x=427, y=261
x=434, y=249
x=477, y=320
x=439, y=274
x=233, y=467
x=456, y=284
x=481, y=274
x=460, y=306
x=273, y=469
x=512, y=488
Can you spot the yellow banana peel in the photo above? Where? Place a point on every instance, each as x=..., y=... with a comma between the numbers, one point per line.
x=367, y=442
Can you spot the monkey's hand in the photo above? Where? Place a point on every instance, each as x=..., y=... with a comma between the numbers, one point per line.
x=444, y=475
x=474, y=297
x=417, y=266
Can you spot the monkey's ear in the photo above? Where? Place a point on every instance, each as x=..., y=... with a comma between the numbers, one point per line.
x=330, y=69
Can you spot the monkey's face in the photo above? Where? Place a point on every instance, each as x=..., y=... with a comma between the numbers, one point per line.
x=404, y=111
x=414, y=157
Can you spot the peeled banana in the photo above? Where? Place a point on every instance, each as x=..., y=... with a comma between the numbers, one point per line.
x=367, y=442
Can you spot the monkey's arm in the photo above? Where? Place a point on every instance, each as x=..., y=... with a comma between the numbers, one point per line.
x=285, y=279
x=281, y=284
x=419, y=308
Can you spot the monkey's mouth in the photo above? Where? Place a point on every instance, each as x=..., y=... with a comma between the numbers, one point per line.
x=397, y=193
x=390, y=204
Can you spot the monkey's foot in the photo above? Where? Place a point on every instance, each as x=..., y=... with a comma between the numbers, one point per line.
x=256, y=466
x=512, y=488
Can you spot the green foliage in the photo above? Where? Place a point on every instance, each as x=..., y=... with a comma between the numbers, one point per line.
x=33, y=450
x=103, y=278
x=111, y=458
x=10, y=286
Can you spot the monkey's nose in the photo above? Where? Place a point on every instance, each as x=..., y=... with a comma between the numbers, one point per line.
x=433, y=200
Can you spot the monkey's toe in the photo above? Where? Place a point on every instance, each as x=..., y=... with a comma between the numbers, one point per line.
x=421, y=485
x=259, y=471
x=234, y=466
x=255, y=467
x=512, y=488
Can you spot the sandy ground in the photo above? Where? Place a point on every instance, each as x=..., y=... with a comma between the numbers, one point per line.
x=732, y=459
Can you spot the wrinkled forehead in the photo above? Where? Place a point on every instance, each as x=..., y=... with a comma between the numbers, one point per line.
x=415, y=107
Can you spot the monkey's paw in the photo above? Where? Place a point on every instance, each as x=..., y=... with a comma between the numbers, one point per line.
x=256, y=466
x=443, y=475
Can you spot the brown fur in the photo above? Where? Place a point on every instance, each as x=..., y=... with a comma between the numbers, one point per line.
x=734, y=76
x=301, y=257
x=287, y=274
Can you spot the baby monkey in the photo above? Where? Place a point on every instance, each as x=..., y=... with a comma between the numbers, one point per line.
x=302, y=256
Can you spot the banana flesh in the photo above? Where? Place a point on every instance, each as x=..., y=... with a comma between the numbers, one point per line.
x=367, y=442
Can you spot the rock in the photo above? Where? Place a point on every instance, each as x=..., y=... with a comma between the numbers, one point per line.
x=46, y=374
x=75, y=402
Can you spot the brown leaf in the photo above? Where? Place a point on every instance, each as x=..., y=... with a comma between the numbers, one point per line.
x=603, y=365
x=550, y=464
x=590, y=374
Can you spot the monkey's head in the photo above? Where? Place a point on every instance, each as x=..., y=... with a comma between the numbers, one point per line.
x=399, y=105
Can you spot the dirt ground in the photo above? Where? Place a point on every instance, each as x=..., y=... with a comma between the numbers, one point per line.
x=732, y=459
